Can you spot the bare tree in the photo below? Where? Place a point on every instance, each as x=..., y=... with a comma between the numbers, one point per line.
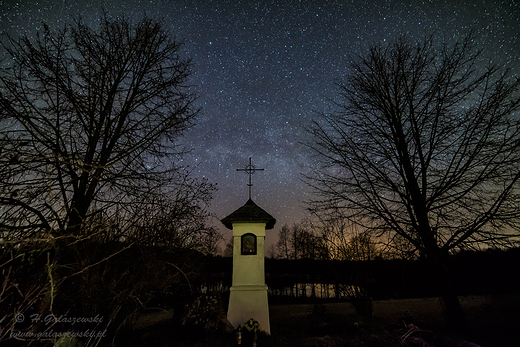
x=89, y=145
x=425, y=145
x=171, y=217
x=335, y=231
x=228, y=249
x=300, y=242
x=90, y=125
x=283, y=245
x=346, y=240
x=306, y=243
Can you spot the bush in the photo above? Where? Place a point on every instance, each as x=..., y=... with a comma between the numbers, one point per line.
x=112, y=281
x=359, y=298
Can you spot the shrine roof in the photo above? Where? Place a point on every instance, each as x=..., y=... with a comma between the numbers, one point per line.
x=250, y=212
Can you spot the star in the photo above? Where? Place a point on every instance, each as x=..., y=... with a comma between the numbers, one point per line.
x=263, y=71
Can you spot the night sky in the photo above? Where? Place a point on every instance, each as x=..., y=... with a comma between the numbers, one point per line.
x=263, y=70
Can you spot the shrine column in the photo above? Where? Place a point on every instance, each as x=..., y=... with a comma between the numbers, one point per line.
x=248, y=293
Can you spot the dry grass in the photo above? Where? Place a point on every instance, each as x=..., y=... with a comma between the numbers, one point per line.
x=492, y=321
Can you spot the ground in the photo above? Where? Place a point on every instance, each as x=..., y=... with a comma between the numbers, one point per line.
x=493, y=321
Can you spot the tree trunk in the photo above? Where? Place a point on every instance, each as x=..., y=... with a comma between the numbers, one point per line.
x=450, y=299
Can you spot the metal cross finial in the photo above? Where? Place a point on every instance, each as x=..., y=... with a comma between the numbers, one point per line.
x=250, y=170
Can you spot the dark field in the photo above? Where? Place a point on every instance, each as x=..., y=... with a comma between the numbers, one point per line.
x=493, y=321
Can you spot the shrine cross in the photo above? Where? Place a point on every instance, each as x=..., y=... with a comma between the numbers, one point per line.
x=250, y=170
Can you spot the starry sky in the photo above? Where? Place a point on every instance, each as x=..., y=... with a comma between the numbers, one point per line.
x=263, y=70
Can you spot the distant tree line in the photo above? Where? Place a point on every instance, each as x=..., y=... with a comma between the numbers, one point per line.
x=476, y=273
x=312, y=240
x=484, y=272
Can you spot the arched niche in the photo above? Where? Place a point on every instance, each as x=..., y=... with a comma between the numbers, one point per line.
x=248, y=244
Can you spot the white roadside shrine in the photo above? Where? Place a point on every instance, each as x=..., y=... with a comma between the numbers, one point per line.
x=248, y=293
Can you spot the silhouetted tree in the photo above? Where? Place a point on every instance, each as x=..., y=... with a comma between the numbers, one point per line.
x=283, y=245
x=300, y=242
x=171, y=218
x=90, y=125
x=336, y=233
x=425, y=144
x=307, y=244
x=344, y=240
x=228, y=249
x=91, y=120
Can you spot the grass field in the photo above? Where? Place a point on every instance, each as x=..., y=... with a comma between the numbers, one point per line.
x=493, y=321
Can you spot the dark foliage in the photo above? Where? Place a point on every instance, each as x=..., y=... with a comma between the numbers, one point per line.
x=475, y=273
x=115, y=282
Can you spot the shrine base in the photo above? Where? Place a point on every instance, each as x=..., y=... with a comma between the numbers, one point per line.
x=249, y=301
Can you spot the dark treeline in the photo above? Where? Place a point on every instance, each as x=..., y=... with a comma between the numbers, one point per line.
x=125, y=278
x=474, y=273
x=128, y=278
x=148, y=274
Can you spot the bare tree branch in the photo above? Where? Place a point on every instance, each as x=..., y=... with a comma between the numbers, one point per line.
x=425, y=144
x=91, y=119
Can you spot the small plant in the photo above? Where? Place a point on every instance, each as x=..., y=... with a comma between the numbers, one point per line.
x=206, y=312
x=359, y=298
x=251, y=324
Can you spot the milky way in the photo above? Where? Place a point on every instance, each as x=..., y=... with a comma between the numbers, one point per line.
x=263, y=71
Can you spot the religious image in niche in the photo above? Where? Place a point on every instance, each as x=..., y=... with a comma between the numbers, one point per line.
x=248, y=244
